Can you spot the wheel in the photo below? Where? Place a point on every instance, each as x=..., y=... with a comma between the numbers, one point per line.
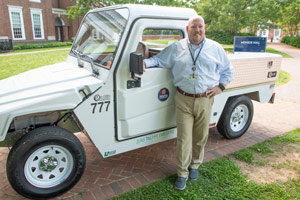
x=45, y=163
x=236, y=117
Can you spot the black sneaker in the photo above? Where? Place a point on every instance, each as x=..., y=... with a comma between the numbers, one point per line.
x=193, y=175
x=180, y=183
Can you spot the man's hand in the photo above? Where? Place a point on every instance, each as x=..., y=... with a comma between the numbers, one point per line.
x=211, y=92
x=144, y=66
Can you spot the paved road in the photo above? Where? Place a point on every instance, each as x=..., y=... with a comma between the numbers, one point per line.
x=291, y=90
x=105, y=178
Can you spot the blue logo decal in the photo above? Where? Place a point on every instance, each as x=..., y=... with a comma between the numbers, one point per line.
x=163, y=94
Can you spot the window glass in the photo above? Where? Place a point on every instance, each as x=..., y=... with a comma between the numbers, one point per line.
x=155, y=40
x=37, y=24
x=99, y=36
x=16, y=24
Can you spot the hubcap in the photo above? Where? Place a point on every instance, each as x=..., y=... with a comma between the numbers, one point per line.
x=48, y=163
x=239, y=118
x=48, y=166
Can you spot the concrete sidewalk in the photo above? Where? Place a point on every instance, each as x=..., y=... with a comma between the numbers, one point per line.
x=105, y=178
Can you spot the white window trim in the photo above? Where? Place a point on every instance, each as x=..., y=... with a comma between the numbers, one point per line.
x=37, y=11
x=16, y=9
x=35, y=1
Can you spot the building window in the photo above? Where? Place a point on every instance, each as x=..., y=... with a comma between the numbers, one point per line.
x=16, y=22
x=37, y=23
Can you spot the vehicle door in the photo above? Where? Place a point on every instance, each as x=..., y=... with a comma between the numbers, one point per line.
x=147, y=108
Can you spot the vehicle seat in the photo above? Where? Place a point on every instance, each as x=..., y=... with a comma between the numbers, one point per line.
x=143, y=49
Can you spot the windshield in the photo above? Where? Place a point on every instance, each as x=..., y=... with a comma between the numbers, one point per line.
x=99, y=36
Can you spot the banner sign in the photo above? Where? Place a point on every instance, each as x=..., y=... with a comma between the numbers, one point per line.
x=250, y=44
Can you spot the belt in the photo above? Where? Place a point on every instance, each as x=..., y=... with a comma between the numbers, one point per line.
x=191, y=95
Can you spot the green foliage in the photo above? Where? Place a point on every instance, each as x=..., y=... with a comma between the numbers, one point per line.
x=289, y=138
x=83, y=6
x=232, y=16
x=41, y=45
x=290, y=11
x=222, y=179
x=244, y=155
x=220, y=16
x=224, y=37
x=293, y=41
x=283, y=78
x=218, y=179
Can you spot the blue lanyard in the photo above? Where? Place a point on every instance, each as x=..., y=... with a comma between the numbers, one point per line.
x=194, y=60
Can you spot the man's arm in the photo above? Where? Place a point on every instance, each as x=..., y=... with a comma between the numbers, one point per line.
x=164, y=59
x=226, y=76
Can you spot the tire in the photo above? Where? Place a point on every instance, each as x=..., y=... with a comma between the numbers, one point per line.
x=45, y=163
x=236, y=117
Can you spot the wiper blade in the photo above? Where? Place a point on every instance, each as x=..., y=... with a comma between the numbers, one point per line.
x=80, y=63
x=77, y=54
x=95, y=71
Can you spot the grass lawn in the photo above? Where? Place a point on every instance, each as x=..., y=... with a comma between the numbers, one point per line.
x=16, y=64
x=223, y=179
x=42, y=49
x=268, y=50
x=283, y=78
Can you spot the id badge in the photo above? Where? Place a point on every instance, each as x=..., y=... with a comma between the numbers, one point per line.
x=193, y=77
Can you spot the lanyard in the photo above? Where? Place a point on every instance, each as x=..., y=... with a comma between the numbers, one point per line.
x=194, y=60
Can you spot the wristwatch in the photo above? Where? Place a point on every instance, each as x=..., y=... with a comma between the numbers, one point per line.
x=221, y=87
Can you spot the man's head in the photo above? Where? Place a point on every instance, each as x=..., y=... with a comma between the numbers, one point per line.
x=196, y=29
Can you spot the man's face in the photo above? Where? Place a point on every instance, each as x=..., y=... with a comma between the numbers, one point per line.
x=196, y=30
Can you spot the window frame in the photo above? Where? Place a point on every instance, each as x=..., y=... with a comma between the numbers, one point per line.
x=35, y=1
x=17, y=9
x=39, y=12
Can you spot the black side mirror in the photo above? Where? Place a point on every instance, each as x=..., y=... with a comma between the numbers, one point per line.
x=135, y=67
x=136, y=63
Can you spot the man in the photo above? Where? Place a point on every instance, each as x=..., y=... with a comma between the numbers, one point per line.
x=200, y=70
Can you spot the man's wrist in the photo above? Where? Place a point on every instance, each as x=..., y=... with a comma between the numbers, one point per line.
x=221, y=86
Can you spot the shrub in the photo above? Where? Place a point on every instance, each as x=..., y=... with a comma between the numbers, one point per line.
x=41, y=45
x=225, y=37
x=292, y=40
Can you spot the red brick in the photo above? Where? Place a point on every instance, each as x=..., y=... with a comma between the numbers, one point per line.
x=107, y=191
x=125, y=185
x=134, y=182
x=97, y=193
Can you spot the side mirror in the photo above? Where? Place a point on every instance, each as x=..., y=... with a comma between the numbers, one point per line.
x=135, y=67
x=136, y=63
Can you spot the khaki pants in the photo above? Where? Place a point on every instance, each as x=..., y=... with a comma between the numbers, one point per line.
x=192, y=118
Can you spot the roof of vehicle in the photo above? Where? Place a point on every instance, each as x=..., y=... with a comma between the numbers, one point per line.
x=139, y=10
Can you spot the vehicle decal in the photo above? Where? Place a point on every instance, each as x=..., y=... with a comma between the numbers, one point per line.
x=163, y=94
x=272, y=74
x=101, y=103
x=110, y=153
x=155, y=137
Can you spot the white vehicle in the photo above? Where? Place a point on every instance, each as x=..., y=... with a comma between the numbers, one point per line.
x=97, y=91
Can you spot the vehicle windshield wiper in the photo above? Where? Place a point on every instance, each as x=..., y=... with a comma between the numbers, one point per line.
x=91, y=60
x=77, y=54
x=95, y=71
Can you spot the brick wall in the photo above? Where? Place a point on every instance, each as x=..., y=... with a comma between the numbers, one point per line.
x=69, y=29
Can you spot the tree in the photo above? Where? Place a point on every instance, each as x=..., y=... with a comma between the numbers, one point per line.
x=265, y=14
x=83, y=6
x=233, y=16
x=290, y=11
x=229, y=16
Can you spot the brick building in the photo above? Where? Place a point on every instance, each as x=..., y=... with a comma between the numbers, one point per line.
x=26, y=21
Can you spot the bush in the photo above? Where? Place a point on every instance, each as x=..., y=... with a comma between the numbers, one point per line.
x=224, y=37
x=41, y=45
x=292, y=40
